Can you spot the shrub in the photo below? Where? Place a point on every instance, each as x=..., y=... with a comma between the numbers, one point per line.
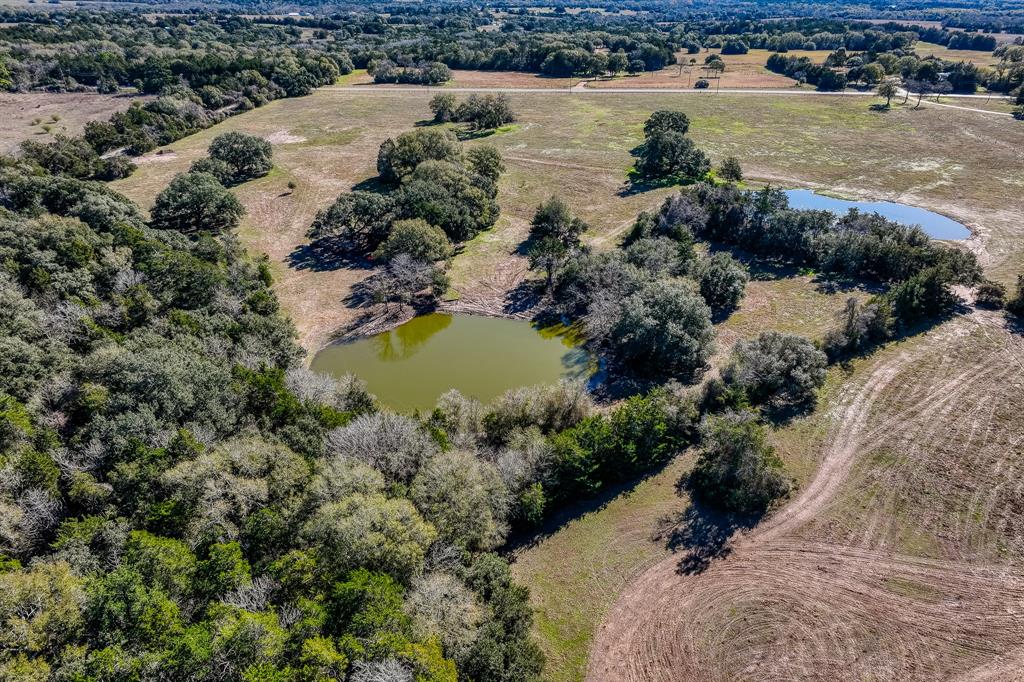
x=730, y=169
x=990, y=294
x=737, y=470
x=777, y=368
x=722, y=281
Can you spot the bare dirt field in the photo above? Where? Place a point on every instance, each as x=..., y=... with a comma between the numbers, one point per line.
x=29, y=115
x=900, y=559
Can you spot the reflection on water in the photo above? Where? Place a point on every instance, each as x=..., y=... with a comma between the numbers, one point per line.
x=409, y=367
x=935, y=225
x=402, y=342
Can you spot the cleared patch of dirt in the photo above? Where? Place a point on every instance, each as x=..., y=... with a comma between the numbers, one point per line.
x=806, y=596
x=284, y=137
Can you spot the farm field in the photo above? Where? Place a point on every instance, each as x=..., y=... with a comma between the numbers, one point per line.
x=901, y=555
x=580, y=145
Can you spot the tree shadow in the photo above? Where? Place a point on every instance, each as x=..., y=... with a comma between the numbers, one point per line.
x=374, y=184
x=880, y=108
x=522, y=539
x=523, y=298
x=1014, y=324
x=325, y=255
x=701, y=533
x=638, y=184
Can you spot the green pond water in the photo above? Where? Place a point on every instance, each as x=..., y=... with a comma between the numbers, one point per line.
x=409, y=367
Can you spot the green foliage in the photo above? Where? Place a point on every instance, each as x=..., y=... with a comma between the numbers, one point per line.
x=777, y=368
x=666, y=120
x=730, y=169
x=416, y=238
x=664, y=329
x=245, y=156
x=667, y=151
x=722, y=281
x=737, y=469
x=196, y=202
x=400, y=156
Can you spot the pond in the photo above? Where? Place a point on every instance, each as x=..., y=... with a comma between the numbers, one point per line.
x=937, y=226
x=407, y=368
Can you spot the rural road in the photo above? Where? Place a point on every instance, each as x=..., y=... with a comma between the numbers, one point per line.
x=579, y=89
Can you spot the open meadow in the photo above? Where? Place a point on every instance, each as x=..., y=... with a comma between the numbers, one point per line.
x=577, y=145
x=41, y=116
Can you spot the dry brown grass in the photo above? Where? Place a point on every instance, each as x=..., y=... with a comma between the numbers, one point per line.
x=20, y=110
x=900, y=559
x=577, y=145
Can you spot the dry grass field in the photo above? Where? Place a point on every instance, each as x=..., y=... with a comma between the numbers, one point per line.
x=900, y=559
x=41, y=115
x=908, y=500
x=941, y=51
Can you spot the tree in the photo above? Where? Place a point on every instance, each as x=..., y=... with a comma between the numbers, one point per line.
x=737, y=469
x=464, y=498
x=722, y=281
x=860, y=326
x=730, y=169
x=443, y=106
x=399, y=157
x=672, y=154
x=547, y=254
x=663, y=330
x=417, y=239
x=554, y=220
x=247, y=156
x=486, y=112
x=370, y=531
x=888, y=89
x=357, y=221
x=617, y=62
x=777, y=368
x=487, y=163
x=666, y=120
x=447, y=195
x=196, y=202
x=872, y=73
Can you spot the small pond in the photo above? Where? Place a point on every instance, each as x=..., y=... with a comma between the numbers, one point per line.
x=407, y=368
x=937, y=226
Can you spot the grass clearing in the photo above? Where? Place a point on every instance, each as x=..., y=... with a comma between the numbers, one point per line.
x=578, y=146
x=27, y=116
x=609, y=546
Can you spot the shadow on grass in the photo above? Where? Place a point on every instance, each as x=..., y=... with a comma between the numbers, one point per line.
x=527, y=538
x=523, y=298
x=325, y=255
x=701, y=533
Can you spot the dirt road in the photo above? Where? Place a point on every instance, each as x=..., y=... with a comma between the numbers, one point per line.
x=783, y=604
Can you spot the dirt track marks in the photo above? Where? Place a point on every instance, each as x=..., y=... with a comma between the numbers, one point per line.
x=788, y=605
